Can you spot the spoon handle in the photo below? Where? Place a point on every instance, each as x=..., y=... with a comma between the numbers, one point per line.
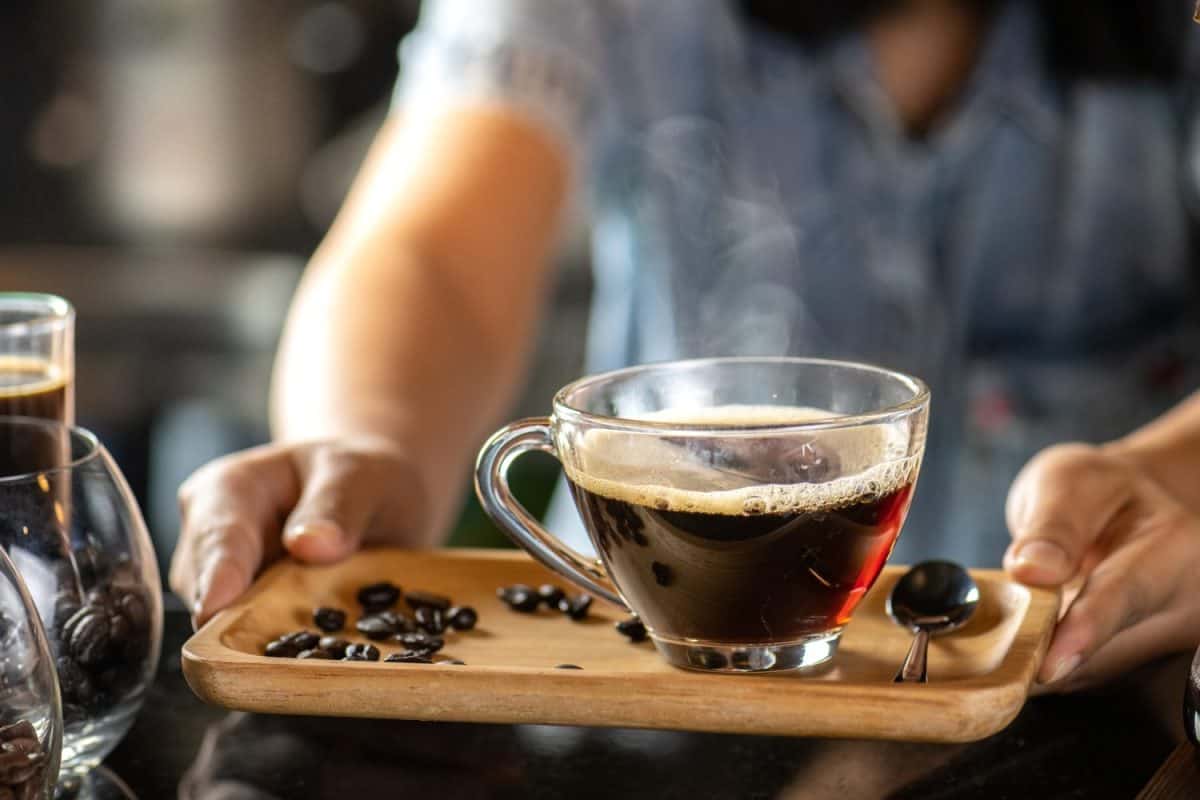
x=913, y=669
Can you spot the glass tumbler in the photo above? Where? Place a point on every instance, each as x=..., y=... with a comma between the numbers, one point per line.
x=74, y=532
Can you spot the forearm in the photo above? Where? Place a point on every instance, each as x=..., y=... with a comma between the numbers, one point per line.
x=382, y=347
x=416, y=315
x=1169, y=450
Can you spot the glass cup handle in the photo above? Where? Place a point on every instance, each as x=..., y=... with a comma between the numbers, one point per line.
x=491, y=484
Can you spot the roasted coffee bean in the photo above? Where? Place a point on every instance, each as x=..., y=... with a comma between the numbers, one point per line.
x=74, y=681
x=378, y=596
x=431, y=620
x=24, y=745
x=550, y=594
x=568, y=666
x=22, y=729
x=462, y=618
x=281, y=648
x=303, y=640
x=633, y=628
x=421, y=642
x=321, y=654
x=66, y=603
x=133, y=607
x=409, y=657
x=120, y=630
x=361, y=652
x=417, y=600
x=18, y=767
x=522, y=599
x=330, y=620
x=399, y=622
x=576, y=607
x=333, y=645
x=86, y=634
x=375, y=627
x=505, y=592
x=663, y=575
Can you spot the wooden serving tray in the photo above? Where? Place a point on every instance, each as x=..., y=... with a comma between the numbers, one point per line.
x=979, y=676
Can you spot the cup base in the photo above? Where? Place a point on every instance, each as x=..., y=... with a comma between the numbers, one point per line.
x=801, y=654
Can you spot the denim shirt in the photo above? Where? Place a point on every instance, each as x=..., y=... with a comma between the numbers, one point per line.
x=1030, y=259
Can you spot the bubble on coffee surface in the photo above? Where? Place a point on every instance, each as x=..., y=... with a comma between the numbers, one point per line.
x=647, y=469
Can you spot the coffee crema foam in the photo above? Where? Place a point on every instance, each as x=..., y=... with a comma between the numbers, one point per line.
x=16, y=373
x=640, y=468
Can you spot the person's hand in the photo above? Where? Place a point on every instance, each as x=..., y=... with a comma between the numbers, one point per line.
x=1126, y=553
x=318, y=501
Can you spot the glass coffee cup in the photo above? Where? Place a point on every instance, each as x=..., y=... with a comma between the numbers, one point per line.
x=741, y=507
x=37, y=356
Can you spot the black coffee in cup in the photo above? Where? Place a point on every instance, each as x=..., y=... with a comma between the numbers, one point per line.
x=755, y=559
x=31, y=387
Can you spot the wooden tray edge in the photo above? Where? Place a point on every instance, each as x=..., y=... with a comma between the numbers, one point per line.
x=210, y=669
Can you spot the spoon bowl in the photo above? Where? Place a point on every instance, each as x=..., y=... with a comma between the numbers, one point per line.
x=932, y=598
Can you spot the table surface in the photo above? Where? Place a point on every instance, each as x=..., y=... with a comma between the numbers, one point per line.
x=1087, y=746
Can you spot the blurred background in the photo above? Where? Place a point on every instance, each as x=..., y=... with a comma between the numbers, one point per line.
x=168, y=166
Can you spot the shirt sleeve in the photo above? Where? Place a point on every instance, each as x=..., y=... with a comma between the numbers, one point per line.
x=539, y=58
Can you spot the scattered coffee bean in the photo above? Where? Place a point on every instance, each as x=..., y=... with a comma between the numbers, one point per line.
x=417, y=600
x=409, y=657
x=361, y=652
x=280, y=648
x=568, y=666
x=378, y=596
x=303, y=640
x=633, y=628
x=663, y=575
x=462, y=618
x=375, y=627
x=503, y=592
x=321, y=654
x=333, y=645
x=576, y=607
x=550, y=594
x=431, y=620
x=522, y=598
x=421, y=642
x=329, y=619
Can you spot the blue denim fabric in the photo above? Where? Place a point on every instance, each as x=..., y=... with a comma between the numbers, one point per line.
x=1030, y=259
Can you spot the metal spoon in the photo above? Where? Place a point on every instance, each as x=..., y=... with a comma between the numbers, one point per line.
x=932, y=598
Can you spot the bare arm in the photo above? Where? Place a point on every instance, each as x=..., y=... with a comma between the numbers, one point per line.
x=1168, y=449
x=406, y=341
x=417, y=313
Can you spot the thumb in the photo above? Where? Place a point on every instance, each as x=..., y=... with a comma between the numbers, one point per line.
x=336, y=505
x=1059, y=505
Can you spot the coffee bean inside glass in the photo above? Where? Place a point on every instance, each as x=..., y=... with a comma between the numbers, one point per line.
x=741, y=508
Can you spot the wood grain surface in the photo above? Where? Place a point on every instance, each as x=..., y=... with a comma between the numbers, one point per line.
x=979, y=677
x=1177, y=779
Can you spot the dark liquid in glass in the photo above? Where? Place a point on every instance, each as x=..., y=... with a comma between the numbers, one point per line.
x=33, y=388
x=744, y=578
